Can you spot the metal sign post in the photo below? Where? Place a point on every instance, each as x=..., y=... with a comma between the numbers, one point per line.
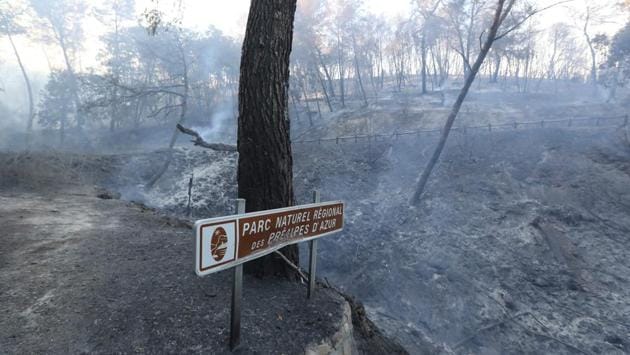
x=237, y=293
x=227, y=242
x=313, y=257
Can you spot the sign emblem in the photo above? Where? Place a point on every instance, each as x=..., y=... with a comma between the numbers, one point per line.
x=218, y=245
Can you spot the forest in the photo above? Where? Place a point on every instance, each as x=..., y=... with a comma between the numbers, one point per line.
x=481, y=149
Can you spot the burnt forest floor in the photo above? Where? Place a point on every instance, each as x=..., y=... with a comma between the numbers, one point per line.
x=519, y=245
x=84, y=272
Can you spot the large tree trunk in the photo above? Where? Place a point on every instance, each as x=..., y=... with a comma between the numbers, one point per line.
x=265, y=163
x=499, y=16
x=31, y=104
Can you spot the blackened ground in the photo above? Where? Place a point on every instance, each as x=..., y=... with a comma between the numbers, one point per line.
x=82, y=274
x=520, y=244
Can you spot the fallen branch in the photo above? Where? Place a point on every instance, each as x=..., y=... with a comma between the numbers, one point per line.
x=202, y=143
x=291, y=264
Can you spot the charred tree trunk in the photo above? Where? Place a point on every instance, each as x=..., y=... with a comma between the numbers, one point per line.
x=321, y=81
x=341, y=71
x=114, y=119
x=423, y=54
x=327, y=73
x=499, y=16
x=357, y=70
x=73, y=81
x=31, y=104
x=589, y=42
x=497, y=66
x=308, y=106
x=265, y=163
x=296, y=109
x=182, y=117
x=319, y=110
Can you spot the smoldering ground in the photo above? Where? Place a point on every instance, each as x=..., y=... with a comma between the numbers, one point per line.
x=526, y=222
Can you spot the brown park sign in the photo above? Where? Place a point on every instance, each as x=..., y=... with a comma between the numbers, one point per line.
x=225, y=242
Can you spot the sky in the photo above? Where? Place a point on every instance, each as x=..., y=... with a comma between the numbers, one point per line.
x=230, y=17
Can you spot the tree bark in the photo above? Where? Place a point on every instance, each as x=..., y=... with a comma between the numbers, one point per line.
x=265, y=163
x=499, y=16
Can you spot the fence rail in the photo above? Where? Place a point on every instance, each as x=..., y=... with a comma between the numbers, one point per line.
x=570, y=122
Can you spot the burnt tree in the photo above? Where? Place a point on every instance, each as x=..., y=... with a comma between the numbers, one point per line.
x=265, y=164
x=500, y=14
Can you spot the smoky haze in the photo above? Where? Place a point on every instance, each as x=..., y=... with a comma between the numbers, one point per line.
x=518, y=243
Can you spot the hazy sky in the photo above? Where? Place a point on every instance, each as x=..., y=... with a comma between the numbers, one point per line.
x=230, y=17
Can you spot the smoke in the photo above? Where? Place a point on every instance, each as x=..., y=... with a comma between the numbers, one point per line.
x=14, y=104
x=222, y=123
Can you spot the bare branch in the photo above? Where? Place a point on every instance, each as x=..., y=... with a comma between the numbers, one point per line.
x=167, y=108
x=527, y=17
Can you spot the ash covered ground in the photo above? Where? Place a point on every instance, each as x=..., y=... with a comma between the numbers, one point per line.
x=520, y=244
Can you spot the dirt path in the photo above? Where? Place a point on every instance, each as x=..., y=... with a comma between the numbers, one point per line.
x=83, y=274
